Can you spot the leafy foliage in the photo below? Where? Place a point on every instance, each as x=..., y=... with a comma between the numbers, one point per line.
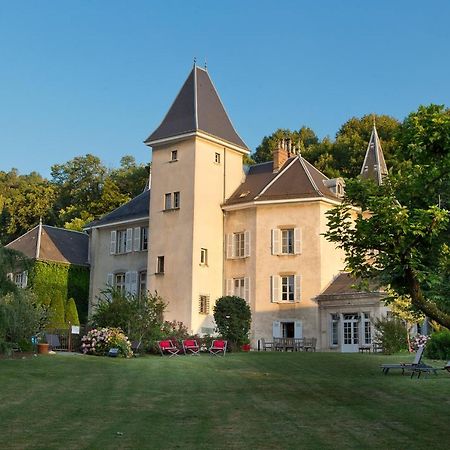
x=391, y=334
x=233, y=318
x=100, y=341
x=400, y=236
x=10, y=260
x=71, y=313
x=438, y=346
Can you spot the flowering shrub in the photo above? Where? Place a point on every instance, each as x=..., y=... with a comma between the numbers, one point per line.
x=100, y=341
x=419, y=341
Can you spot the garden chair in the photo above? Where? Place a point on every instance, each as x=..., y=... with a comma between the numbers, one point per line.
x=135, y=347
x=406, y=366
x=167, y=347
x=53, y=341
x=218, y=347
x=266, y=345
x=191, y=347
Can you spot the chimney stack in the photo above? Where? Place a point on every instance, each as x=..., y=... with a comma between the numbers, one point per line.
x=281, y=154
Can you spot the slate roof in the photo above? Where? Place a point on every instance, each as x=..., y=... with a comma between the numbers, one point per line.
x=56, y=244
x=136, y=208
x=295, y=180
x=374, y=166
x=197, y=107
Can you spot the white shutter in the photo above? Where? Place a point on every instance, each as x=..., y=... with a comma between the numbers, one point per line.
x=229, y=246
x=110, y=280
x=297, y=288
x=276, y=241
x=230, y=287
x=129, y=244
x=25, y=279
x=298, y=329
x=137, y=239
x=133, y=282
x=276, y=329
x=112, y=246
x=297, y=241
x=10, y=276
x=247, y=289
x=247, y=244
x=127, y=282
x=275, y=288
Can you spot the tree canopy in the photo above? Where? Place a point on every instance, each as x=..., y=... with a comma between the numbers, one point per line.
x=401, y=233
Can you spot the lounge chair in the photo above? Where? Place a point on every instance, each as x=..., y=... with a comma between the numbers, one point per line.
x=167, y=347
x=406, y=366
x=53, y=341
x=191, y=347
x=218, y=346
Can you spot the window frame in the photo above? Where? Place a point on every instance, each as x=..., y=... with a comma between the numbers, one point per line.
x=204, y=304
x=144, y=239
x=176, y=200
x=288, y=243
x=174, y=155
x=217, y=158
x=120, y=287
x=121, y=241
x=160, y=265
x=203, y=256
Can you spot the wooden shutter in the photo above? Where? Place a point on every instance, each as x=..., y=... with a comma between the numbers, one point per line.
x=137, y=239
x=297, y=288
x=133, y=282
x=247, y=289
x=25, y=279
x=275, y=288
x=276, y=241
x=129, y=243
x=298, y=329
x=229, y=246
x=230, y=287
x=276, y=329
x=110, y=280
x=112, y=246
x=128, y=282
x=247, y=243
x=297, y=241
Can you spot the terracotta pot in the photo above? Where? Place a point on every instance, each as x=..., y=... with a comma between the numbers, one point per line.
x=42, y=348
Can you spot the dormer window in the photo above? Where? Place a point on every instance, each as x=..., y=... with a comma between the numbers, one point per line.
x=336, y=186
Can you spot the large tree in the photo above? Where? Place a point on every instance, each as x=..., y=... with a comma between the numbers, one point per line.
x=401, y=233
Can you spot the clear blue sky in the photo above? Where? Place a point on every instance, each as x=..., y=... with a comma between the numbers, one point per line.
x=97, y=77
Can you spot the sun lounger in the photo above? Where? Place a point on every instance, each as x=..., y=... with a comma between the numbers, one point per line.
x=405, y=366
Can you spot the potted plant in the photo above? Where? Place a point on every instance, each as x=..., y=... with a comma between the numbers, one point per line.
x=42, y=345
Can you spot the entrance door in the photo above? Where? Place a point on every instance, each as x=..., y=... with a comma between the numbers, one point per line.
x=350, y=332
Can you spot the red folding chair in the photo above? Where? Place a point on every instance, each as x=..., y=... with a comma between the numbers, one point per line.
x=191, y=347
x=218, y=347
x=167, y=347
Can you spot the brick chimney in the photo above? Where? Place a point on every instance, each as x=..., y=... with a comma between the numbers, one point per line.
x=281, y=154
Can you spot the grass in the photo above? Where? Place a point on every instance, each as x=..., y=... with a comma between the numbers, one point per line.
x=243, y=401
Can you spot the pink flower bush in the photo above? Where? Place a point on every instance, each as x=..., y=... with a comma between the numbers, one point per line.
x=419, y=341
x=100, y=340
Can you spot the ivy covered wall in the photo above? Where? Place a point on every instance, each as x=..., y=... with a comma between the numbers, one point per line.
x=54, y=283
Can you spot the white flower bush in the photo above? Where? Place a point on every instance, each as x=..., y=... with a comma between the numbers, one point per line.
x=100, y=340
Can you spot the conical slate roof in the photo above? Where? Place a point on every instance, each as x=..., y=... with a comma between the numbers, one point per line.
x=197, y=107
x=374, y=166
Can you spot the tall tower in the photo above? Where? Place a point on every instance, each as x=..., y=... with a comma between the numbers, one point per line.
x=374, y=166
x=196, y=165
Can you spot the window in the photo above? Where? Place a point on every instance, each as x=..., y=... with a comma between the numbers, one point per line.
x=204, y=304
x=287, y=288
x=119, y=282
x=176, y=200
x=286, y=241
x=217, y=158
x=144, y=238
x=160, y=264
x=334, y=334
x=174, y=155
x=143, y=282
x=121, y=241
x=20, y=279
x=239, y=287
x=121, y=245
x=140, y=239
x=168, y=201
x=367, y=329
x=203, y=256
x=238, y=245
x=171, y=201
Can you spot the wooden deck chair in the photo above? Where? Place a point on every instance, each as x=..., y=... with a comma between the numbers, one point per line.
x=405, y=366
x=167, y=347
x=266, y=345
x=218, y=347
x=190, y=347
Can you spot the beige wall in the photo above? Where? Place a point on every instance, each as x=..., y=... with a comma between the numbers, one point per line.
x=102, y=262
x=317, y=264
x=179, y=235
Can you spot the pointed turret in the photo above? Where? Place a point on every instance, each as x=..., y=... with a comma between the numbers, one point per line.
x=374, y=166
x=197, y=109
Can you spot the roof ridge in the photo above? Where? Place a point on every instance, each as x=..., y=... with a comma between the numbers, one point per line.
x=310, y=178
x=64, y=229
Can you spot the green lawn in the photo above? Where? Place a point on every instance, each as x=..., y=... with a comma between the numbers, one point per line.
x=243, y=401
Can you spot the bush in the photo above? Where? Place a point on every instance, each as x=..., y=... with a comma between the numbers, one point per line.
x=391, y=333
x=233, y=319
x=100, y=341
x=438, y=346
x=57, y=312
x=71, y=313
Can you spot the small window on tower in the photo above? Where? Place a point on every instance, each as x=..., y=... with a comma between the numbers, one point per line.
x=174, y=155
x=203, y=256
x=217, y=158
x=160, y=264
